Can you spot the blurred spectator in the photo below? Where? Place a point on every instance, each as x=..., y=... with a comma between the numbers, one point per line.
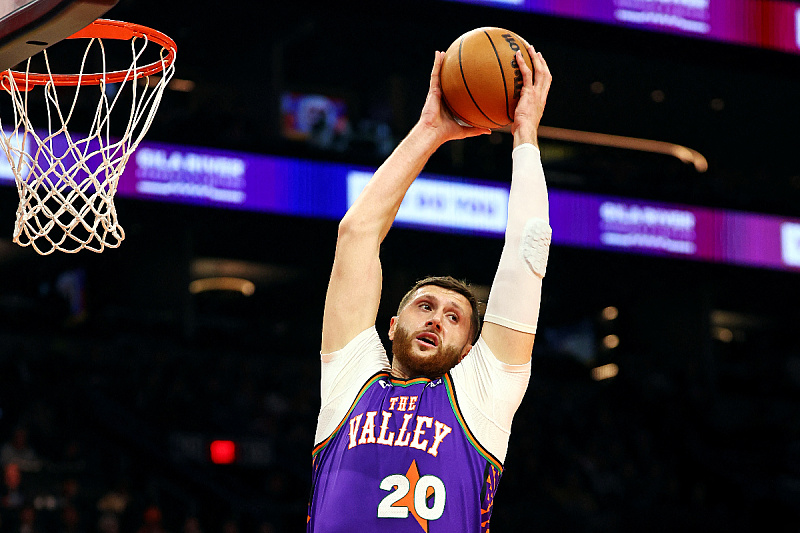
x=116, y=500
x=70, y=491
x=70, y=520
x=18, y=451
x=152, y=520
x=108, y=523
x=12, y=495
x=72, y=496
x=192, y=525
x=27, y=520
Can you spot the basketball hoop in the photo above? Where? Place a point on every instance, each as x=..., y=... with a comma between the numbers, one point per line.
x=66, y=184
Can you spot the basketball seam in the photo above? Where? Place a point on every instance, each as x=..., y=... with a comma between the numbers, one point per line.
x=502, y=72
x=464, y=79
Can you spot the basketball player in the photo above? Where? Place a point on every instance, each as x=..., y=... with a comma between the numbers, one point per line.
x=419, y=445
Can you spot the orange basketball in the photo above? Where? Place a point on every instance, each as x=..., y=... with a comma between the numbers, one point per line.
x=480, y=78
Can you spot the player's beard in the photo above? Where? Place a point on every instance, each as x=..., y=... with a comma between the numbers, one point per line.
x=430, y=365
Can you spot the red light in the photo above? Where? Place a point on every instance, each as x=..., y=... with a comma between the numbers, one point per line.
x=223, y=452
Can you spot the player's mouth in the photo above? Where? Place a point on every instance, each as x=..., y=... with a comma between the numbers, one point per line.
x=428, y=339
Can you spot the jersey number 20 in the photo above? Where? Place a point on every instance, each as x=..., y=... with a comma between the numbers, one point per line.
x=399, y=485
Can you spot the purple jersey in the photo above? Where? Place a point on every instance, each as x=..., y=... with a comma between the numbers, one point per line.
x=403, y=460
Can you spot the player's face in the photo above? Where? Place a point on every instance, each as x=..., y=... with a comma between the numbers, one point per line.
x=431, y=334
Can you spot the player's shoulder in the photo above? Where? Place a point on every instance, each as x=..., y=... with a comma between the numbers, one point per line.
x=367, y=340
x=481, y=365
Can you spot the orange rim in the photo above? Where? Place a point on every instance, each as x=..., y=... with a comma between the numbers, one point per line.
x=102, y=29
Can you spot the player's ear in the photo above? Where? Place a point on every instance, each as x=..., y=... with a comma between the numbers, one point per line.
x=464, y=352
x=392, y=327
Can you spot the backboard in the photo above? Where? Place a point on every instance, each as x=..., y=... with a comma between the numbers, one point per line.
x=29, y=26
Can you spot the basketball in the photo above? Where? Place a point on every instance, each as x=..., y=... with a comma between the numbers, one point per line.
x=480, y=78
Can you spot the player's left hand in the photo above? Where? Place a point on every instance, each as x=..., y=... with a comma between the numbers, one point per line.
x=532, y=98
x=437, y=117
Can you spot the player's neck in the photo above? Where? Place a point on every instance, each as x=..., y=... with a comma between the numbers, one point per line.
x=399, y=371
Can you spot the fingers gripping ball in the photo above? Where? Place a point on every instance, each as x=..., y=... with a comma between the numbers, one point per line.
x=481, y=81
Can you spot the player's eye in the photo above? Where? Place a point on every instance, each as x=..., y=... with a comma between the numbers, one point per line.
x=424, y=306
x=453, y=318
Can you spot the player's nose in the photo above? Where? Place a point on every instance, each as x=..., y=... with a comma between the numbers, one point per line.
x=435, y=322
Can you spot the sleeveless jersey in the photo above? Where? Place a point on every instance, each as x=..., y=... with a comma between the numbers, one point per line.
x=410, y=456
x=403, y=460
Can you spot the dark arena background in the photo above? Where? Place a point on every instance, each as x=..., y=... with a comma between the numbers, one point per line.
x=172, y=384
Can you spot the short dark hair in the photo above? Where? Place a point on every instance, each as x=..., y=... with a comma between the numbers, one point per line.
x=455, y=285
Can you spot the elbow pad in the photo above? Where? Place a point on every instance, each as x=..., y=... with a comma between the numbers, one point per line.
x=516, y=293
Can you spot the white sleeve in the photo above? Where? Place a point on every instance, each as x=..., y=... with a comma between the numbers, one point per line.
x=344, y=372
x=517, y=288
x=488, y=393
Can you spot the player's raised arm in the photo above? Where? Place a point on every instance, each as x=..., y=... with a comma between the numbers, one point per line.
x=351, y=303
x=512, y=311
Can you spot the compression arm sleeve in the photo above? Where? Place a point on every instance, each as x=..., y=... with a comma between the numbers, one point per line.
x=517, y=289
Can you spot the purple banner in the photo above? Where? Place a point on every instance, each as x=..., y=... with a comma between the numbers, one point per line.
x=673, y=230
x=235, y=180
x=439, y=203
x=286, y=186
x=772, y=24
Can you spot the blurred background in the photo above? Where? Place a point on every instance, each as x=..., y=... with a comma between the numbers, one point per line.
x=172, y=384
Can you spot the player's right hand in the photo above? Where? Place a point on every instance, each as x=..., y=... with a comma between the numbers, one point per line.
x=435, y=115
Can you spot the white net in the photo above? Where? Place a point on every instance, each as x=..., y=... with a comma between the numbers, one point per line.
x=67, y=181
